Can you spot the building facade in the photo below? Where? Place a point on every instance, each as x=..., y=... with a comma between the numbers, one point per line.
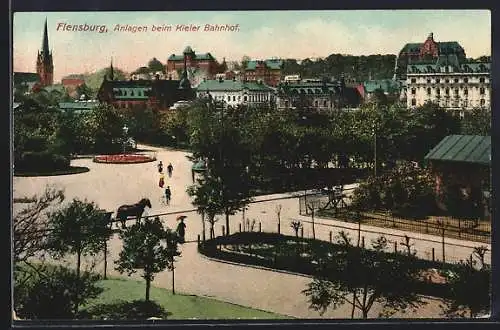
x=427, y=52
x=44, y=63
x=316, y=95
x=234, y=93
x=450, y=84
x=198, y=66
x=157, y=94
x=267, y=71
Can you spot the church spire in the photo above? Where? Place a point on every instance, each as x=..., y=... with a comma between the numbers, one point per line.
x=45, y=42
x=111, y=71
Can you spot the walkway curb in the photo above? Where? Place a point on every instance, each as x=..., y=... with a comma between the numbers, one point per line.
x=254, y=266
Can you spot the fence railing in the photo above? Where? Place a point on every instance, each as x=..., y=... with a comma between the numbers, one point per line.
x=465, y=229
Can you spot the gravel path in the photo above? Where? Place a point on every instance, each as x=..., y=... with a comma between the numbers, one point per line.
x=113, y=185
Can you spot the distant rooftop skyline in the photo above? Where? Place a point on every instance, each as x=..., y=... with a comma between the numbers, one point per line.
x=259, y=35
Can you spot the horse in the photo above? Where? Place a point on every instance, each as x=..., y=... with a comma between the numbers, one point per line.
x=135, y=210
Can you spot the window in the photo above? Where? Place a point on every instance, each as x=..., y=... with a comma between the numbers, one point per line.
x=466, y=80
x=428, y=81
x=456, y=80
x=447, y=91
x=481, y=80
x=413, y=102
x=438, y=91
x=466, y=92
x=413, y=91
x=316, y=104
x=234, y=98
x=481, y=90
x=456, y=91
x=325, y=103
x=413, y=80
x=245, y=99
x=438, y=81
x=429, y=91
x=239, y=97
x=466, y=103
x=482, y=102
x=229, y=98
x=447, y=80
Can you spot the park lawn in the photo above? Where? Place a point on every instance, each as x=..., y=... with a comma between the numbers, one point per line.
x=179, y=306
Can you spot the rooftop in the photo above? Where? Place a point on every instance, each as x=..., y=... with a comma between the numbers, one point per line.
x=231, y=85
x=473, y=149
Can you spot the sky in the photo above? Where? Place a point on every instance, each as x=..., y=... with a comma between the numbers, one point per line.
x=260, y=35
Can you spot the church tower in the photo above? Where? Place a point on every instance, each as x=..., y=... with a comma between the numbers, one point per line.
x=44, y=64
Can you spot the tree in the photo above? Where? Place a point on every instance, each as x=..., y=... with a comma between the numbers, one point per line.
x=106, y=127
x=54, y=293
x=470, y=289
x=155, y=65
x=477, y=122
x=368, y=277
x=147, y=246
x=30, y=223
x=85, y=90
x=78, y=228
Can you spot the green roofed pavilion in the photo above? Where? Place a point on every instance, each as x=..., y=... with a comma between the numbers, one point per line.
x=473, y=149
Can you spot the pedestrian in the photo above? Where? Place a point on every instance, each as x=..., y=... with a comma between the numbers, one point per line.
x=181, y=230
x=160, y=167
x=170, y=168
x=168, y=195
x=162, y=181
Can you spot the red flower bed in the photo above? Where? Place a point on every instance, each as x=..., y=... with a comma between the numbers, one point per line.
x=123, y=159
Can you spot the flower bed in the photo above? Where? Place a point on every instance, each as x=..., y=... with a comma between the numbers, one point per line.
x=123, y=159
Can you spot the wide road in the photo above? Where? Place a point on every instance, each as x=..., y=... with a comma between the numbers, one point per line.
x=111, y=185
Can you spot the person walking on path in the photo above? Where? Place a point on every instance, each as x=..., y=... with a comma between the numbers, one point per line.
x=162, y=181
x=160, y=167
x=168, y=195
x=170, y=169
x=181, y=230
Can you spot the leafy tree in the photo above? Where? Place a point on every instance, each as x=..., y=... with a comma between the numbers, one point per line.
x=155, y=65
x=362, y=278
x=106, y=126
x=477, y=122
x=470, y=289
x=85, y=90
x=78, y=228
x=147, y=246
x=54, y=293
x=406, y=190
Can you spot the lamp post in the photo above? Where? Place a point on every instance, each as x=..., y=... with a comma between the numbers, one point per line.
x=125, y=132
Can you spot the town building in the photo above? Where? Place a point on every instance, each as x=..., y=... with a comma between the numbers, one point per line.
x=450, y=84
x=157, y=94
x=389, y=87
x=198, y=66
x=234, y=93
x=461, y=165
x=44, y=63
x=268, y=71
x=71, y=85
x=25, y=82
x=318, y=95
x=427, y=52
x=79, y=106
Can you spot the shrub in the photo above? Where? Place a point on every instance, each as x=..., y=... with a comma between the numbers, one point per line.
x=52, y=293
x=42, y=161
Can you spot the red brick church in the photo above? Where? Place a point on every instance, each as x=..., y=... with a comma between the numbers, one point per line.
x=44, y=64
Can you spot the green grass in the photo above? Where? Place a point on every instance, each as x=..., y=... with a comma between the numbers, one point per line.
x=179, y=306
x=71, y=170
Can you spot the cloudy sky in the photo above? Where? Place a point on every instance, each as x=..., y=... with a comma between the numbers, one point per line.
x=262, y=34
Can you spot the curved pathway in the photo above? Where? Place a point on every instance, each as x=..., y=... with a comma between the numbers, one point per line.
x=113, y=185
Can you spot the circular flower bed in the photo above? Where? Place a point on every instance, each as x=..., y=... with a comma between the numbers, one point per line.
x=123, y=159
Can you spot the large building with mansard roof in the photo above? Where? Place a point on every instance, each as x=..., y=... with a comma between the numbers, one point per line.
x=450, y=84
